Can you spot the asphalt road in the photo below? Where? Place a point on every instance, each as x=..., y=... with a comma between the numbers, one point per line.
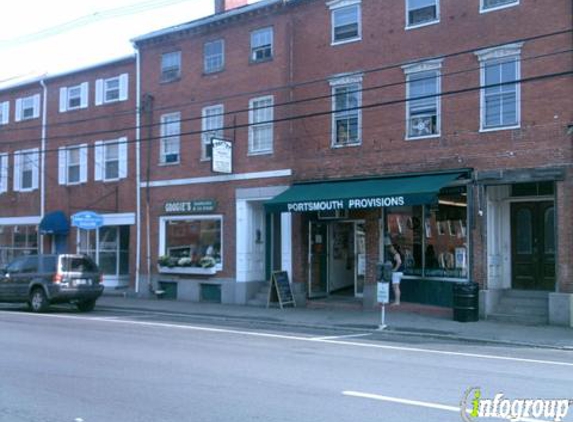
x=66, y=366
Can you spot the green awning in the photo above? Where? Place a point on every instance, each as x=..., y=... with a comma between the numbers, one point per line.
x=361, y=194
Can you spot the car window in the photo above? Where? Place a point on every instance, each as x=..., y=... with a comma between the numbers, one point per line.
x=78, y=264
x=29, y=265
x=15, y=266
x=49, y=264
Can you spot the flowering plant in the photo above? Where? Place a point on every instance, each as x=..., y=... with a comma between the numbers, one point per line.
x=207, y=262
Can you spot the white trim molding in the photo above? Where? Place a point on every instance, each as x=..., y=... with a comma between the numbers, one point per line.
x=425, y=66
x=501, y=52
x=218, y=179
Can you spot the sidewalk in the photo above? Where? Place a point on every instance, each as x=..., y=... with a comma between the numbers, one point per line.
x=411, y=320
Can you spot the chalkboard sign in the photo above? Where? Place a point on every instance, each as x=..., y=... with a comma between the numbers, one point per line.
x=280, y=289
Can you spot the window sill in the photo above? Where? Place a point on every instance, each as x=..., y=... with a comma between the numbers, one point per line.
x=174, y=163
x=498, y=128
x=335, y=43
x=163, y=81
x=415, y=138
x=187, y=270
x=255, y=153
x=353, y=144
x=422, y=25
x=496, y=8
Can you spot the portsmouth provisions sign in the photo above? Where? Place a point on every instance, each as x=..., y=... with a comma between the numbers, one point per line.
x=341, y=204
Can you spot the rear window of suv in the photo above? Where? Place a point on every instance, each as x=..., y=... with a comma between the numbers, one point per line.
x=78, y=264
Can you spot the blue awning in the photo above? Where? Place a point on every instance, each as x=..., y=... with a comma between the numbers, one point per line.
x=55, y=222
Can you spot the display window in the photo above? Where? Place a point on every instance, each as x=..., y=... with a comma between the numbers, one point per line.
x=432, y=238
x=109, y=247
x=189, y=241
x=17, y=240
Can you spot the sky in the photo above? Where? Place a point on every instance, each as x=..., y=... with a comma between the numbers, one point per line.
x=38, y=37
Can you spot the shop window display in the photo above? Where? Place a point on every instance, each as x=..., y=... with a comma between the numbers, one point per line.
x=192, y=243
x=16, y=241
x=433, y=238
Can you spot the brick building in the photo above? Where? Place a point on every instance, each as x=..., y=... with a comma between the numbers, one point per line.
x=441, y=126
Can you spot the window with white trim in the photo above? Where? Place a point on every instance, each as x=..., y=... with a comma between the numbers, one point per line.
x=423, y=101
x=73, y=164
x=212, y=124
x=214, y=56
x=191, y=241
x=28, y=108
x=3, y=173
x=170, y=138
x=261, y=115
x=111, y=160
x=347, y=113
x=26, y=165
x=111, y=90
x=170, y=66
x=500, y=96
x=346, y=21
x=4, y=112
x=262, y=44
x=74, y=97
x=422, y=12
x=489, y=5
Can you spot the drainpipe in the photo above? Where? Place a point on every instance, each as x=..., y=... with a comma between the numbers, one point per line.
x=137, y=168
x=43, y=156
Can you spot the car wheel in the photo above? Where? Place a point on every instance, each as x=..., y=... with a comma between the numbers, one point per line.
x=38, y=300
x=86, y=305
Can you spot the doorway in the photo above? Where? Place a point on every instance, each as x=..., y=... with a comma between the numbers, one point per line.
x=337, y=258
x=533, y=245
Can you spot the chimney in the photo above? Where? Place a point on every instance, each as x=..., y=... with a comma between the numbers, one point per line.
x=222, y=6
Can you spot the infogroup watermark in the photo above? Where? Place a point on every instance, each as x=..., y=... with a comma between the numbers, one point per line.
x=474, y=407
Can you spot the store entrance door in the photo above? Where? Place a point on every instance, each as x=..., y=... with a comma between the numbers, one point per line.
x=533, y=245
x=317, y=260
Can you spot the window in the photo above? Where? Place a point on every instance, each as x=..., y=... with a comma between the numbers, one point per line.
x=170, y=66
x=345, y=22
x=4, y=112
x=111, y=159
x=28, y=108
x=170, y=138
x=423, y=106
x=214, y=56
x=422, y=12
x=3, y=173
x=73, y=165
x=75, y=97
x=500, y=93
x=262, y=45
x=17, y=240
x=488, y=5
x=211, y=127
x=26, y=165
x=192, y=241
x=108, y=246
x=112, y=89
x=261, y=115
x=347, y=115
x=432, y=238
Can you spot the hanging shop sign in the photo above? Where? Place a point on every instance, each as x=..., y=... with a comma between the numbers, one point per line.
x=87, y=220
x=222, y=156
x=200, y=205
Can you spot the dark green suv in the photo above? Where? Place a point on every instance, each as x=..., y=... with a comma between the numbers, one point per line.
x=41, y=280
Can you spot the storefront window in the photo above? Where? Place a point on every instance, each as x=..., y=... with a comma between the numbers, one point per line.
x=16, y=241
x=432, y=238
x=192, y=242
x=109, y=247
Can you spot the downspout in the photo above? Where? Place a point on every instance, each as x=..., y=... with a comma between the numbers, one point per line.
x=43, y=156
x=137, y=168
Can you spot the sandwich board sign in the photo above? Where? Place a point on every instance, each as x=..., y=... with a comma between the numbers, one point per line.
x=280, y=289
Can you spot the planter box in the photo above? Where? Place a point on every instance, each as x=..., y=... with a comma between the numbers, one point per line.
x=187, y=270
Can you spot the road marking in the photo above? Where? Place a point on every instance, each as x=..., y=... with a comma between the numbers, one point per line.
x=298, y=338
x=418, y=403
x=340, y=337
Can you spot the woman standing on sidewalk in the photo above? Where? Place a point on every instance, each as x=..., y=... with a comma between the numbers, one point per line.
x=397, y=271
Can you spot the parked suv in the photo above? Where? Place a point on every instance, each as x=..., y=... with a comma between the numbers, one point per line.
x=41, y=280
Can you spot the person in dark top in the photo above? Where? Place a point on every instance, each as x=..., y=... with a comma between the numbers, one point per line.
x=397, y=271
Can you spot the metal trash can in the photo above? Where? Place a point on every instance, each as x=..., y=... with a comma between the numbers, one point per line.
x=466, y=302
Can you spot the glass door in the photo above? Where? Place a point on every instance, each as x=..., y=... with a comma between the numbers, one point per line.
x=360, y=256
x=317, y=259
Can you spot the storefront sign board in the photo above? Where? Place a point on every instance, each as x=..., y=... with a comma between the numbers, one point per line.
x=87, y=220
x=201, y=205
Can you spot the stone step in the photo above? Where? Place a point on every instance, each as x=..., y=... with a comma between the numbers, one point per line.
x=526, y=294
x=519, y=319
x=520, y=310
x=523, y=303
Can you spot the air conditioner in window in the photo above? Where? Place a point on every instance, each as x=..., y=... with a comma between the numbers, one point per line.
x=422, y=126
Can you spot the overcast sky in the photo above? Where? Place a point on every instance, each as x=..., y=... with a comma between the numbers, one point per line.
x=59, y=35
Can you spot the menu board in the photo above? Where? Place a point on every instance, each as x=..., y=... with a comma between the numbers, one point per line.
x=280, y=289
